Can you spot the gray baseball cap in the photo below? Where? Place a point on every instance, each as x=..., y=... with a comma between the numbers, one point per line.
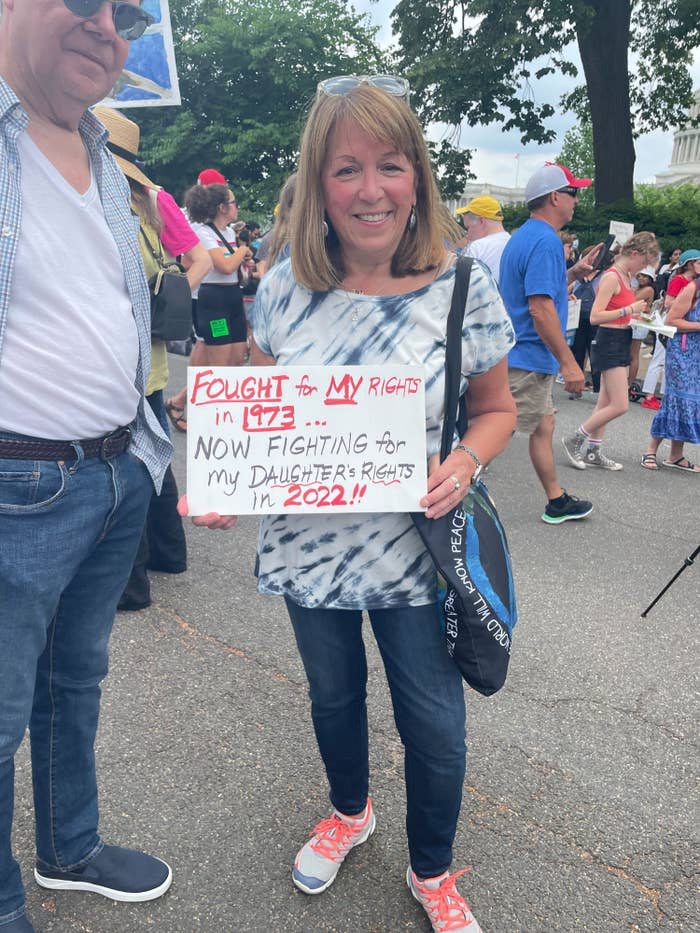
x=552, y=177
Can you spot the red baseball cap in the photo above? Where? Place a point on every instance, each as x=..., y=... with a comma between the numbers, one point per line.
x=210, y=176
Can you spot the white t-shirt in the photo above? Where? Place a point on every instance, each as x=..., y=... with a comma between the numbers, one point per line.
x=210, y=240
x=489, y=250
x=70, y=348
x=368, y=560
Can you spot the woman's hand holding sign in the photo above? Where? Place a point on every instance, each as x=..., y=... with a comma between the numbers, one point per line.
x=211, y=520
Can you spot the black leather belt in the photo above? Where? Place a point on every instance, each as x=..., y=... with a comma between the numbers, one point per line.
x=37, y=448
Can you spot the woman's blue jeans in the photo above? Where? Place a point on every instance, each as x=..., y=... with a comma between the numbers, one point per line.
x=429, y=711
x=68, y=535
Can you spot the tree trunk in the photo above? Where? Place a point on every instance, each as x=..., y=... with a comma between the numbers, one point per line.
x=603, y=42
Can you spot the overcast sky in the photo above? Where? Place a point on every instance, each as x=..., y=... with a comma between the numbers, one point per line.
x=494, y=157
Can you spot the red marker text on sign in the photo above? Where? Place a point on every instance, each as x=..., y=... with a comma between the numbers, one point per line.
x=324, y=496
x=304, y=387
x=208, y=391
x=260, y=417
x=342, y=392
x=393, y=386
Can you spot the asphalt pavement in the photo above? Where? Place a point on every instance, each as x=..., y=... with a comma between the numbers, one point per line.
x=580, y=808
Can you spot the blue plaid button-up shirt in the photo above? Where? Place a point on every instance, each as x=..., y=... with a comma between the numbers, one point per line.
x=149, y=443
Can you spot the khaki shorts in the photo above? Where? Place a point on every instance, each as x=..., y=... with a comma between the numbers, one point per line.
x=533, y=398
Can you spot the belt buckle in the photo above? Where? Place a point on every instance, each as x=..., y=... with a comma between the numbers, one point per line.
x=114, y=443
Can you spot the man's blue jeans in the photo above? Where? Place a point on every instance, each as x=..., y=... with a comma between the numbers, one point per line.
x=68, y=535
x=429, y=711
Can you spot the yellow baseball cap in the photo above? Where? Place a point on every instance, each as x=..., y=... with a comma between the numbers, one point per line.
x=483, y=206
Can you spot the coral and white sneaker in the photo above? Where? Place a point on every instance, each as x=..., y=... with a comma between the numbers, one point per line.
x=318, y=862
x=447, y=909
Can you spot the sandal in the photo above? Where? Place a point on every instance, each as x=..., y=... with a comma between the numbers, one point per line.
x=682, y=464
x=649, y=462
x=176, y=415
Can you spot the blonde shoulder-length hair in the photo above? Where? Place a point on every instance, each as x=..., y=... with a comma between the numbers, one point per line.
x=643, y=242
x=317, y=261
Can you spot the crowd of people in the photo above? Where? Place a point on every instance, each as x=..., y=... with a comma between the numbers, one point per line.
x=358, y=268
x=618, y=291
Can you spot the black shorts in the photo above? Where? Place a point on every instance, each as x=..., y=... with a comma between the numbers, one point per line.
x=219, y=317
x=611, y=348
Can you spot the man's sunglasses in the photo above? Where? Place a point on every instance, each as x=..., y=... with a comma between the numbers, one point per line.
x=572, y=192
x=343, y=84
x=130, y=21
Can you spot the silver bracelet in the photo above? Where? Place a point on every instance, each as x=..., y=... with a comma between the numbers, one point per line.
x=479, y=466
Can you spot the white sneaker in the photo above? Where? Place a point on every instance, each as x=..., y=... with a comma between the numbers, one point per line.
x=319, y=860
x=442, y=902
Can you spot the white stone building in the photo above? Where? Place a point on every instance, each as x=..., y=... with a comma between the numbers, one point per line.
x=685, y=160
x=474, y=188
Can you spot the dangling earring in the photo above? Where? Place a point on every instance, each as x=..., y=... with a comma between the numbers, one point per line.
x=412, y=219
x=324, y=227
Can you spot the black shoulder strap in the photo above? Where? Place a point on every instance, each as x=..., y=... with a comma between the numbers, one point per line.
x=231, y=249
x=158, y=256
x=453, y=358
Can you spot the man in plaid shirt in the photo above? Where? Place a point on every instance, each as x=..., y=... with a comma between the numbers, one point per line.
x=79, y=452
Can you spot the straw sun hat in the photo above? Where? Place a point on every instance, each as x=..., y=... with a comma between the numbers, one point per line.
x=123, y=143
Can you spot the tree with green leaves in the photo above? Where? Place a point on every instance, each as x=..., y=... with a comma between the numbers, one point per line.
x=247, y=75
x=478, y=61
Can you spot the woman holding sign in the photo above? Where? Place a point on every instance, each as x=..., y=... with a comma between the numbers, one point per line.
x=370, y=282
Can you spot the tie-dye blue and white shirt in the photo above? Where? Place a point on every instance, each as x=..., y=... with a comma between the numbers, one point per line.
x=367, y=560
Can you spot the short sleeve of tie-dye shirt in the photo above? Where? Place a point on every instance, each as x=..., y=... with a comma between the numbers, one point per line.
x=375, y=560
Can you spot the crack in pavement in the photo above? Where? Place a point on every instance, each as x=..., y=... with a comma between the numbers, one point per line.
x=600, y=704
x=193, y=633
x=652, y=895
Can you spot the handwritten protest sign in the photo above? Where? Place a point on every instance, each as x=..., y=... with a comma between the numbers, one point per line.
x=621, y=230
x=299, y=439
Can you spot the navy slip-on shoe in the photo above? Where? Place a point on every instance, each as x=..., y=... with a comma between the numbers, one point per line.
x=122, y=874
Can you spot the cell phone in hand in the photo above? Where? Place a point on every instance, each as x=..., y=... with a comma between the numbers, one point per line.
x=603, y=252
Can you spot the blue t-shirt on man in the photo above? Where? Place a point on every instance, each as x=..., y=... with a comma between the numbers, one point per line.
x=533, y=264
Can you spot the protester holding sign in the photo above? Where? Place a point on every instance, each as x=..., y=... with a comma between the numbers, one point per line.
x=370, y=282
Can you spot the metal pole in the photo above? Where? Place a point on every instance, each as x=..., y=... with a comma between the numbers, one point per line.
x=686, y=563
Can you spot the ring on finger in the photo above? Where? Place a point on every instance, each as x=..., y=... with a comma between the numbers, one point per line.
x=456, y=482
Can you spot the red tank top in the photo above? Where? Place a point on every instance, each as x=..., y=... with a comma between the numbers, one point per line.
x=624, y=298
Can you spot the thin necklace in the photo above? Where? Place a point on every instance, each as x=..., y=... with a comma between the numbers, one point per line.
x=354, y=317
x=624, y=272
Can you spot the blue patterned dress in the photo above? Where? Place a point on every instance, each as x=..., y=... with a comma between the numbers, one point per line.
x=367, y=560
x=679, y=416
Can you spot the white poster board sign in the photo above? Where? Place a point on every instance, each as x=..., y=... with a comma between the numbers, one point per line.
x=149, y=77
x=573, y=314
x=621, y=230
x=296, y=439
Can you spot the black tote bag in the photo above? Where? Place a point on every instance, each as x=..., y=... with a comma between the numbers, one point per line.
x=468, y=546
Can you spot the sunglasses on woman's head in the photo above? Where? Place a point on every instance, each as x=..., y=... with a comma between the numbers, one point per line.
x=343, y=84
x=130, y=21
